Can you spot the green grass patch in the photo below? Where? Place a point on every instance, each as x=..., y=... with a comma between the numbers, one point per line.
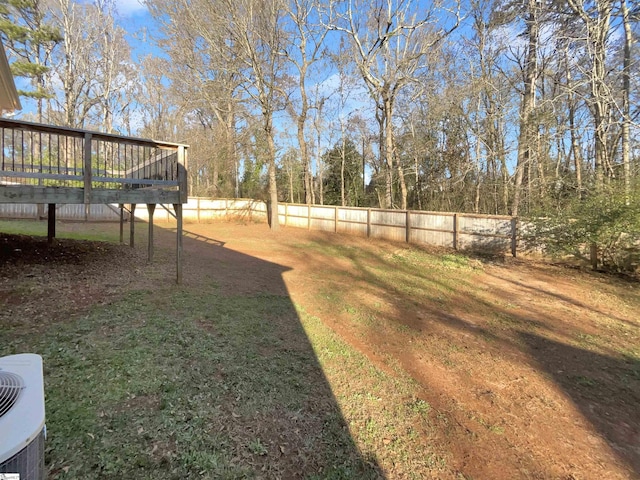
x=39, y=229
x=181, y=384
x=382, y=409
x=584, y=381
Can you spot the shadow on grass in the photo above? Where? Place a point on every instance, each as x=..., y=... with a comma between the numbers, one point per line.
x=603, y=386
x=605, y=389
x=214, y=379
x=564, y=298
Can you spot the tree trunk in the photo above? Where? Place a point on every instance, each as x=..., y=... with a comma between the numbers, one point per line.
x=505, y=185
x=215, y=179
x=274, y=220
x=342, y=161
x=320, y=169
x=385, y=201
x=598, y=33
x=291, y=197
x=302, y=141
x=626, y=103
x=528, y=104
x=476, y=199
x=230, y=133
x=575, y=144
x=390, y=151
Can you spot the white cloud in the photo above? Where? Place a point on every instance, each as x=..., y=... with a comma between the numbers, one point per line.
x=128, y=8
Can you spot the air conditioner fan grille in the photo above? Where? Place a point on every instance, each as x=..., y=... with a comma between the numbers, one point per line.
x=10, y=387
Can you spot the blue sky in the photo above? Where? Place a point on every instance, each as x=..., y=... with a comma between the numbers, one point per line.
x=135, y=19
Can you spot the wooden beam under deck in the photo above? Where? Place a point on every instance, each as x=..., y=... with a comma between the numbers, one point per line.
x=132, y=225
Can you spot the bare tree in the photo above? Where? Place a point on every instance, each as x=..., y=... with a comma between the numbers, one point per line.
x=344, y=89
x=626, y=98
x=204, y=73
x=596, y=18
x=77, y=61
x=572, y=106
x=116, y=78
x=157, y=106
x=490, y=85
x=255, y=38
x=307, y=43
x=528, y=129
x=318, y=126
x=390, y=42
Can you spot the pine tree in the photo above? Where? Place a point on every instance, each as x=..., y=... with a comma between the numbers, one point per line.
x=30, y=40
x=344, y=173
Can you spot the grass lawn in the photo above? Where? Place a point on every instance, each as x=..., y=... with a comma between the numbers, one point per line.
x=316, y=356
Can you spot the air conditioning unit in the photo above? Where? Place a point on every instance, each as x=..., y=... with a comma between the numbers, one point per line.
x=22, y=430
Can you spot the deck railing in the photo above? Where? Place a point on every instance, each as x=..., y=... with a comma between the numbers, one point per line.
x=44, y=155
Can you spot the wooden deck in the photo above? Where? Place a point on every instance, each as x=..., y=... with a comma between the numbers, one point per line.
x=44, y=164
x=47, y=164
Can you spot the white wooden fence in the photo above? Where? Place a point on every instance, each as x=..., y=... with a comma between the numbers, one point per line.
x=196, y=210
x=464, y=231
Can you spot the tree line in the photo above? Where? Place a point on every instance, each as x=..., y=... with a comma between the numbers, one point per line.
x=515, y=107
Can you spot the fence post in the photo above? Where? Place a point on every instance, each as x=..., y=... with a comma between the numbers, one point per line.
x=593, y=254
x=368, y=222
x=455, y=231
x=336, y=220
x=308, y=216
x=286, y=214
x=198, y=209
x=408, y=226
x=514, y=236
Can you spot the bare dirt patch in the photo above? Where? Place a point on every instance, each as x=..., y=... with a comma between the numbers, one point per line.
x=41, y=283
x=529, y=370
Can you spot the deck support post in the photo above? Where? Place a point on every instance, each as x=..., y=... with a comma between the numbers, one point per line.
x=132, y=225
x=121, y=206
x=151, y=208
x=51, y=224
x=183, y=186
x=178, y=209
